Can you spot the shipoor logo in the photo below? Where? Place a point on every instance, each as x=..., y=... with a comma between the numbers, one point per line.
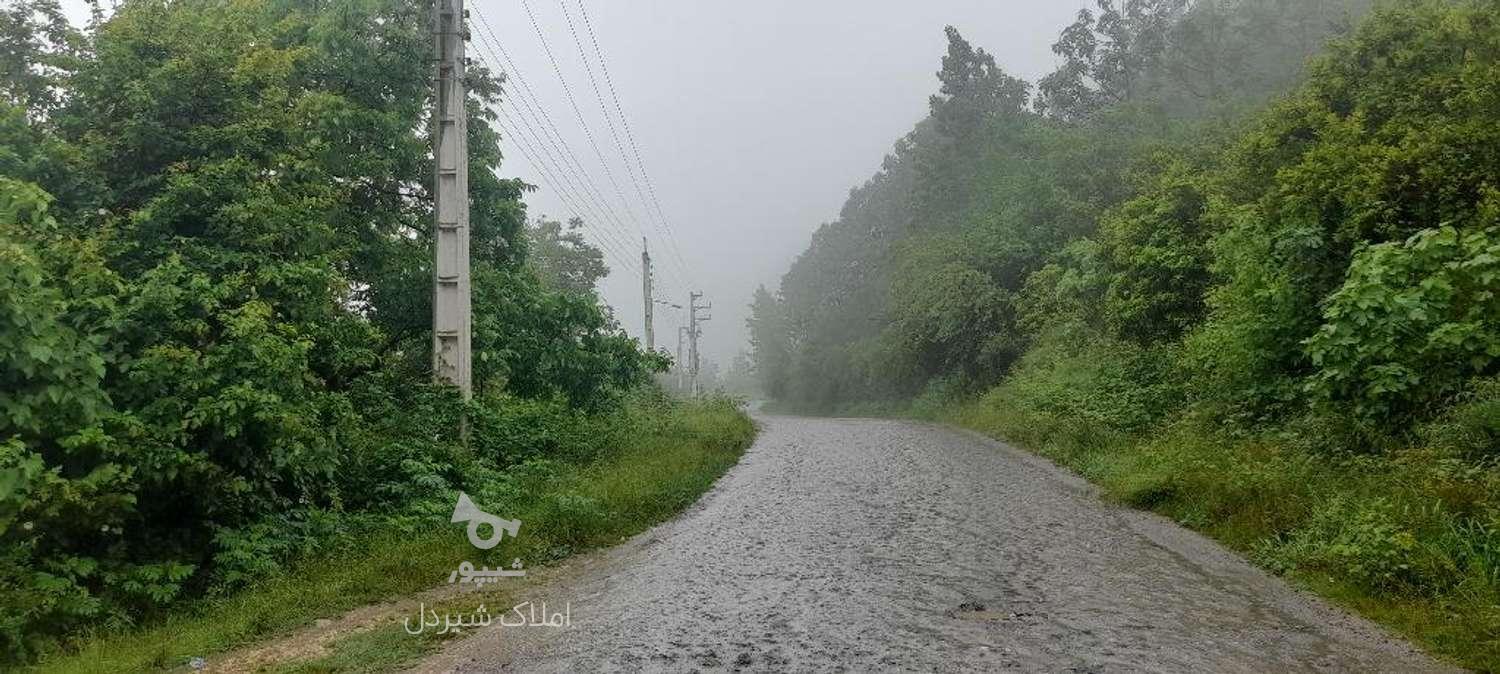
x=466, y=511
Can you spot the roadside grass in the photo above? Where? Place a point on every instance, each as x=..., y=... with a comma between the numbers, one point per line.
x=565, y=508
x=378, y=650
x=1409, y=537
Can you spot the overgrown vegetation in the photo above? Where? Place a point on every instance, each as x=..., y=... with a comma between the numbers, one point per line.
x=1234, y=259
x=651, y=459
x=215, y=312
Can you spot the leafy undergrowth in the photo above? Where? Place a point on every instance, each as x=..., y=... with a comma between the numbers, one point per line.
x=1409, y=536
x=671, y=456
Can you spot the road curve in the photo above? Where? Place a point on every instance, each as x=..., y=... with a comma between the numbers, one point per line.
x=871, y=545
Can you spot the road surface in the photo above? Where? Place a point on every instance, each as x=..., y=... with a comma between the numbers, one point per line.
x=870, y=545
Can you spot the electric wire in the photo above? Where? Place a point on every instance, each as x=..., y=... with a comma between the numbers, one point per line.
x=573, y=171
x=573, y=104
x=511, y=129
x=614, y=133
x=630, y=136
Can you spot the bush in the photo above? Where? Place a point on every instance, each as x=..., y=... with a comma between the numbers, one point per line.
x=1156, y=246
x=1097, y=381
x=1413, y=321
x=1367, y=542
x=215, y=342
x=506, y=430
x=1471, y=427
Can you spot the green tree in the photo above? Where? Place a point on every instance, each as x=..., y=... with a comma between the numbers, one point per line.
x=973, y=89
x=38, y=49
x=1362, y=154
x=1157, y=250
x=770, y=348
x=60, y=477
x=1108, y=57
x=563, y=258
x=1413, y=321
x=215, y=298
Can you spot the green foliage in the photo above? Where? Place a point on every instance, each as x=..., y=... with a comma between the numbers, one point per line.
x=1237, y=262
x=40, y=48
x=52, y=405
x=973, y=89
x=1365, y=153
x=539, y=343
x=1064, y=293
x=515, y=430
x=1098, y=383
x=562, y=258
x=1412, y=322
x=1156, y=247
x=1108, y=57
x=215, y=304
x=652, y=457
x=949, y=318
x=1471, y=427
x=1368, y=543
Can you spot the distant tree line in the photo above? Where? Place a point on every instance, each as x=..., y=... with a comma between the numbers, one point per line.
x=1271, y=205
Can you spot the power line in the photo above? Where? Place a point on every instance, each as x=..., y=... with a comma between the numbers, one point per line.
x=607, y=247
x=573, y=103
x=570, y=172
x=550, y=174
x=606, y=216
x=609, y=120
x=629, y=135
x=532, y=156
x=554, y=137
x=564, y=174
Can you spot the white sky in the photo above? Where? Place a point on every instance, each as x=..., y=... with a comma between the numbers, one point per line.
x=753, y=120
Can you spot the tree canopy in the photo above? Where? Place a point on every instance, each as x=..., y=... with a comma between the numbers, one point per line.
x=1175, y=186
x=217, y=296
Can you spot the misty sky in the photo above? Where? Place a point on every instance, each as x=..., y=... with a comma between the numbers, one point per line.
x=753, y=120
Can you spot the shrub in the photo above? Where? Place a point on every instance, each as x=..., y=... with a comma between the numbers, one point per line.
x=1363, y=542
x=1098, y=381
x=1157, y=249
x=1413, y=321
x=1471, y=427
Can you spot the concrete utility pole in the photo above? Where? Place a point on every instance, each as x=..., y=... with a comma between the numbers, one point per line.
x=693, y=333
x=451, y=321
x=646, y=292
x=681, y=366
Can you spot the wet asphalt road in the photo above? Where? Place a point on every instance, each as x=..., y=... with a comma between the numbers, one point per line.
x=870, y=545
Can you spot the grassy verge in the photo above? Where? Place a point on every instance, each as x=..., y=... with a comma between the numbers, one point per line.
x=566, y=508
x=1408, y=538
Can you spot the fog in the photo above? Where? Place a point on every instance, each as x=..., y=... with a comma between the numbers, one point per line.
x=753, y=120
